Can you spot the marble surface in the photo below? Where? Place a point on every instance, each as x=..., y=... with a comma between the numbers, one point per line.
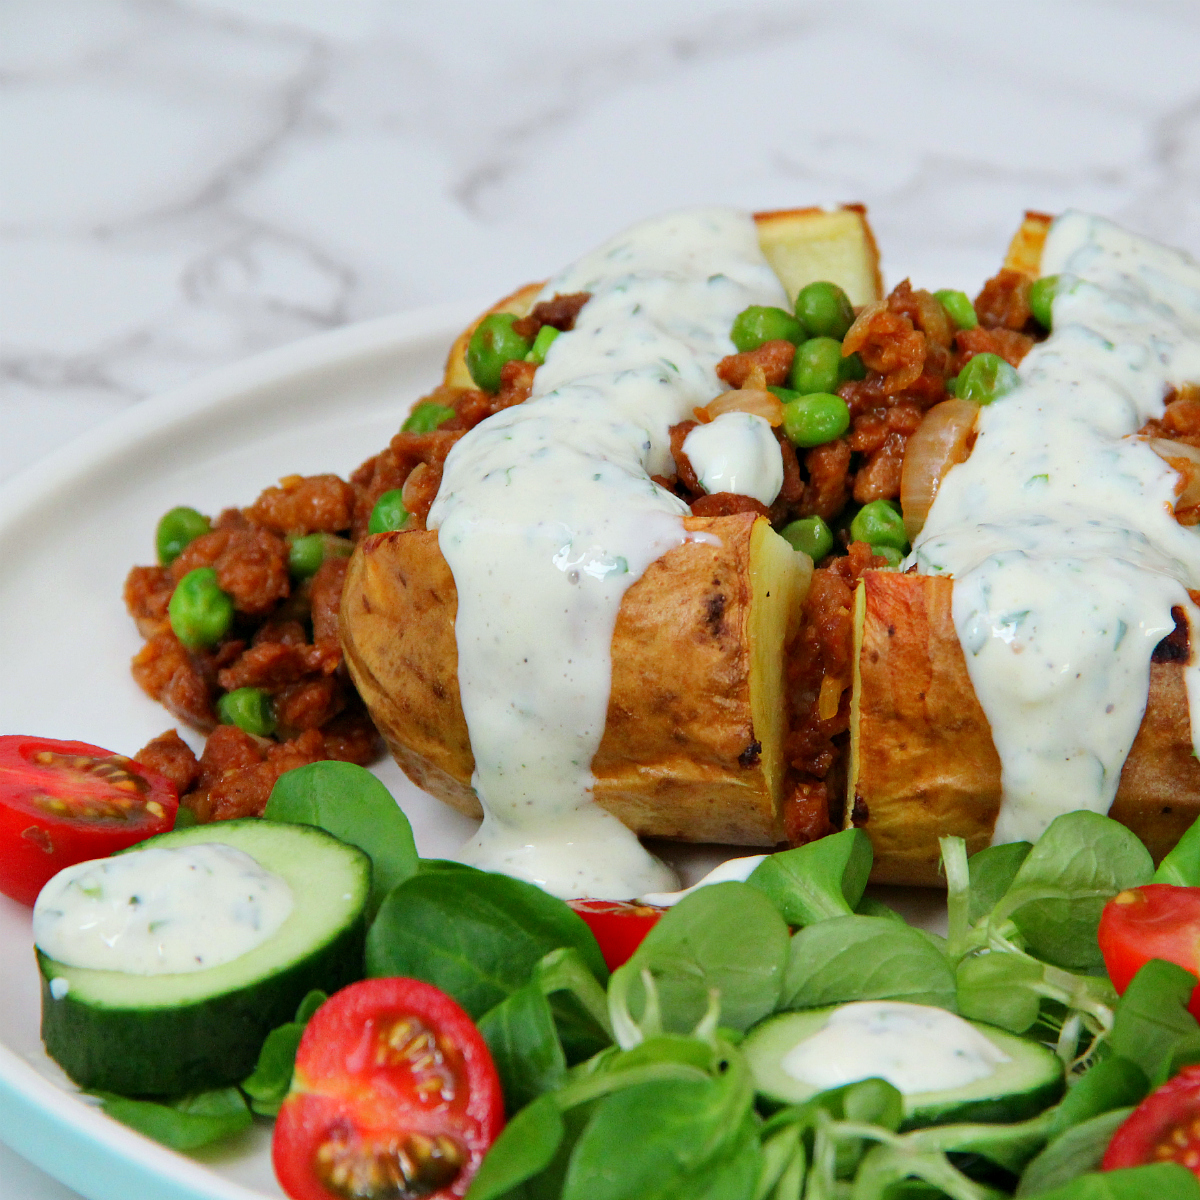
x=185, y=183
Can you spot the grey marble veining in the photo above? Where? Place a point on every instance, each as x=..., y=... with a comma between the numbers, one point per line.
x=189, y=182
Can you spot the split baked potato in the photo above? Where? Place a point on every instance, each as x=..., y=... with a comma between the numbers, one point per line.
x=922, y=761
x=693, y=745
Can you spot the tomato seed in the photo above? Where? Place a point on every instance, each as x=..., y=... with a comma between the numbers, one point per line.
x=402, y=1167
x=408, y=1042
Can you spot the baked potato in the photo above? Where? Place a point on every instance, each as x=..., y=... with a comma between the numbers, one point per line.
x=693, y=747
x=922, y=762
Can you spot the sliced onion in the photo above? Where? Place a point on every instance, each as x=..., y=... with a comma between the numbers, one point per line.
x=856, y=335
x=750, y=400
x=1186, y=460
x=943, y=438
x=934, y=322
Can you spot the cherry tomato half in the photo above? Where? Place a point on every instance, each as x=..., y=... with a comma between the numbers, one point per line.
x=1158, y=920
x=1165, y=1127
x=618, y=925
x=394, y=1095
x=65, y=802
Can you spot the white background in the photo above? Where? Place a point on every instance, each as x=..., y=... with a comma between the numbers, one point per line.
x=183, y=184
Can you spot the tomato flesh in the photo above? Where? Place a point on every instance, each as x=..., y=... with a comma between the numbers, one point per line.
x=66, y=802
x=394, y=1097
x=618, y=926
x=1158, y=920
x=1165, y=1127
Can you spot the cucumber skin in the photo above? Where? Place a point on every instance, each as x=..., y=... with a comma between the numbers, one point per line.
x=1006, y=1108
x=175, y=1051
x=994, y=1110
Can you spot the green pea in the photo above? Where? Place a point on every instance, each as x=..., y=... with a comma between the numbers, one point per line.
x=307, y=553
x=541, y=344
x=894, y=557
x=816, y=366
x=200, y=611
x=879, y=523
x=389, y=513
x=1041, y=299
x=494, y=343
x=985, y=378
x=784, y=394
x=958, y=308
x=426, y=417
x=176, y=530
x=851, y=368
x=762, y=323
x=811, y=535
x=248, y=708
x=824, y=310
x=816, y=419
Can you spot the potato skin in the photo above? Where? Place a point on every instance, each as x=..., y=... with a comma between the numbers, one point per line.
x=924, y=764
x=678, y=758
x=519, y=303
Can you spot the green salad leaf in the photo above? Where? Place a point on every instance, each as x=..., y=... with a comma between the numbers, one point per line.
x=1152, y=1016
x=525, y=1148
x=184, y=1124
x=727, y=939
x=1181, y=866
x=267, y=1086
x=992, y=872
x=522, y=1037
x=1001, y=988
x=1114, y=1082
x=475, y=935
x=1075, y=1152
x=1059, y=890
x=822, y=879
x=865, y=958
x=349, y=802
x=675, y=1140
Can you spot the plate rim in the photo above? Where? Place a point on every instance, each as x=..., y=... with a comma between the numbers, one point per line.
x=56, y=1130
x=32, y=484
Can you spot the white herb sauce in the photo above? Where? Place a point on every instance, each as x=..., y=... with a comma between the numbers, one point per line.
x=732, y=870
x=915, y=1047
x=160, y=911
x=547, y=514
x=1059, y=532
x=736, y=452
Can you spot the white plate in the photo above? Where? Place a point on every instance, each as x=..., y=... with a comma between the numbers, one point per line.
x=70, y=529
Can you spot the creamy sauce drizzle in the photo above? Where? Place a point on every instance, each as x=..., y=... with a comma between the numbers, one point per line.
x=1058, y=529
x=547, y=515
x=736, y=452
x=732, y=870
x=915, y=1047
x=160, y=911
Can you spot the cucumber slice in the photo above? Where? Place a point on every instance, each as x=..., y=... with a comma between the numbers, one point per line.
x=1031, y=1079
x=173, y=1034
